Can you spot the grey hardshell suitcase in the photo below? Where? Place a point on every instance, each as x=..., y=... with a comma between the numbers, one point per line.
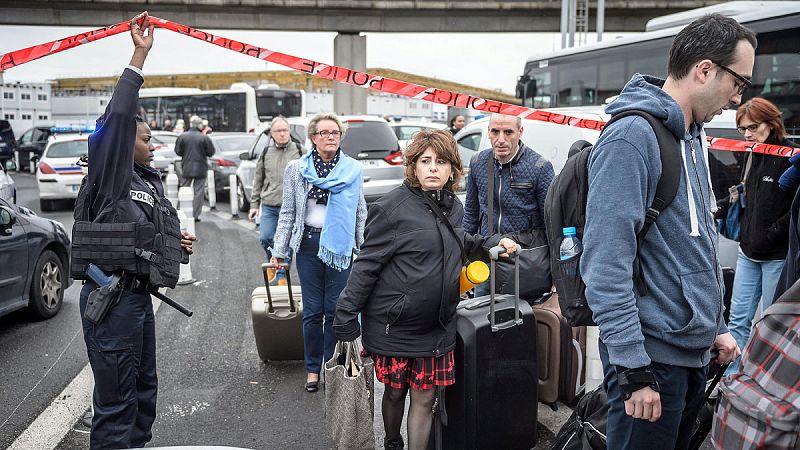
x=277, y=313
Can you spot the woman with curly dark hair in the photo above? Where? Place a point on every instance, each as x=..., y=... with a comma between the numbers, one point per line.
x=405, y=283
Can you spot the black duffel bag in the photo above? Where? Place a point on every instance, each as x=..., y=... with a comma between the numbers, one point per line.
x=534, y=267
x=586, y=427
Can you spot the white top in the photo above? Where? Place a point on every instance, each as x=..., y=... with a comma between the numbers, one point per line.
x=315, y=214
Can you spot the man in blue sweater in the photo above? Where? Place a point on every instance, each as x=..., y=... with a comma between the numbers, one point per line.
x=522, y=178
x=655, y=347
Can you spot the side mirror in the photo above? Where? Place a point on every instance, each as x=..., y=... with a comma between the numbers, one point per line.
x=11, y=165
x=244, y=156
x=7, y=220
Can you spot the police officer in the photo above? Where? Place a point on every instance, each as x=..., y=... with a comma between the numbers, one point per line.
x=122, y=200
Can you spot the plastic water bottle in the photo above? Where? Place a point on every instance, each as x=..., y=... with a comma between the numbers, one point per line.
x=571, y=245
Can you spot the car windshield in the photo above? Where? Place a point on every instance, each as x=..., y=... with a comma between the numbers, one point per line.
x=68, y=149
x=369, y=137
x=405, y=132
x=164, y=139
x=235, y=143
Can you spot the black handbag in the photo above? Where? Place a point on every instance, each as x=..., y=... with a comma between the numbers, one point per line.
x=534, y=257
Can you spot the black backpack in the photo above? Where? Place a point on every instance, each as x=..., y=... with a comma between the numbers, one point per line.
x=586, y=427
x=565, y=206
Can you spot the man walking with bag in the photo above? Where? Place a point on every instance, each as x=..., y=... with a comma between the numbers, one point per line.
x=195, y=148
x=658, y=324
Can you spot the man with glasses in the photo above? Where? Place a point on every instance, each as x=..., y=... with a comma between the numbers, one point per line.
x=657, y=337
x=268, y=187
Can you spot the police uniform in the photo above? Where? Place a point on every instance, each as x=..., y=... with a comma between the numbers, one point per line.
x=125, y=226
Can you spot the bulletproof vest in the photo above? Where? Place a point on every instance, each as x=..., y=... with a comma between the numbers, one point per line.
x=149, y=250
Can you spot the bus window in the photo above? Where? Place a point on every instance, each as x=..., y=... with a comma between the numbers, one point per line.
x=543, y=89
x=775, y=75
x=610, y=80
x=577, y=85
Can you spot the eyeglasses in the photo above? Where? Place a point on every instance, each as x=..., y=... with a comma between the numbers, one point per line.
x=284, y=130
x=751, y=128
x=326, y=133
x=745, y=83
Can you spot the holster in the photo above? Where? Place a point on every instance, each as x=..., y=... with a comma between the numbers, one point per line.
x=102, y=299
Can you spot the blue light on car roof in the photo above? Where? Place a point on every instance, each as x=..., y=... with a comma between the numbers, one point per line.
x=86, y=129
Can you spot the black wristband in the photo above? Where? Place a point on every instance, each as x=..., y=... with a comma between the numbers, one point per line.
x=631, y=380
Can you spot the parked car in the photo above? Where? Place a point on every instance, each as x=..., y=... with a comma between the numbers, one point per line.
x=31, y=144
x=8, y=189
x=7, y=142
x=59, y=176
x=164, y=153
x=34, y=261
x=227, y=149
x=370, y=141
x=245, y=173
x=405, y=130
x=553, y=142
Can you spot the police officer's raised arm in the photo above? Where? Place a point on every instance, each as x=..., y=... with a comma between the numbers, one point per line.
x=111, y=145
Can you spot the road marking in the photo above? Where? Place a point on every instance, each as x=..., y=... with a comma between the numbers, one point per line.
x=57, y=420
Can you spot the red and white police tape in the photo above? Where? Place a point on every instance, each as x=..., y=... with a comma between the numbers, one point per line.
x=360, y=79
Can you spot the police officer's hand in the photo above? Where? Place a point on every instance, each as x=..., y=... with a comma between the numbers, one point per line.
x=726, y=348
x=253, y=213
x=142, y=42
x=644, y=404
x=187, y=240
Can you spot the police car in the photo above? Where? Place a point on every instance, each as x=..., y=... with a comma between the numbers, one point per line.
x=58, y=173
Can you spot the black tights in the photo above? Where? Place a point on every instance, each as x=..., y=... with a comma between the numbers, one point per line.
x=420, y=415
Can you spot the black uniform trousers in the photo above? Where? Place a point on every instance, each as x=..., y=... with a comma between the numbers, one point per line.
x=122, y=353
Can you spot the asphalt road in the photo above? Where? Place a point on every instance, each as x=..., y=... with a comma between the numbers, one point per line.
x=213, y=389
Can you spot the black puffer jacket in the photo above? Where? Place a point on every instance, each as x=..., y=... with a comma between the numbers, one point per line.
x=765, y=222
x=405, y=279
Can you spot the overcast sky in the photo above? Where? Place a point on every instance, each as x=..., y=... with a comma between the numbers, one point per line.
x=487, y=60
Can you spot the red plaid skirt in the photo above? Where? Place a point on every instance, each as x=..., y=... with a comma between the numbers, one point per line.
x=418, y=373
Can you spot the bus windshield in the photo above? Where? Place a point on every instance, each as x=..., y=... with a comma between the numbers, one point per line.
x=271, y=103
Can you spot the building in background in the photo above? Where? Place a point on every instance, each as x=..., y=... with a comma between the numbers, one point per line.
x=25, y=105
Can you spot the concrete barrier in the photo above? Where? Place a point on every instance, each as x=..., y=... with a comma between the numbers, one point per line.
x=594, y=367
x=187, y=224
x=212, y=190
x=172, y=188
x=234, y=195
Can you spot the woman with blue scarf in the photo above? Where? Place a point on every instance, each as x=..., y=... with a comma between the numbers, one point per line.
x=322, y=221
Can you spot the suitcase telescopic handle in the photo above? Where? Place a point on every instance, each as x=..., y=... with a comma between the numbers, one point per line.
x=494, y=254
x=264, y=267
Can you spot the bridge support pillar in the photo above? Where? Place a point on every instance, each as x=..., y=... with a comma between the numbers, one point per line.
x=350, y=51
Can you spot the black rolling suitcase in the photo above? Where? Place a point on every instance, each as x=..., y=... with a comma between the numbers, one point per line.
x=493, y=403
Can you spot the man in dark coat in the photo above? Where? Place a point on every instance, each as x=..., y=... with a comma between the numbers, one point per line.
x=195, y=148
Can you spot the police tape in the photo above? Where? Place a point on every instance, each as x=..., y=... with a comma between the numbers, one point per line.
x=359, y=79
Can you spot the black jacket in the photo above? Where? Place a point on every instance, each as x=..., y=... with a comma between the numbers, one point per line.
x=791, y=269
x=194, y=148
x=118, y=190
x=405, y=281
x=765, y=221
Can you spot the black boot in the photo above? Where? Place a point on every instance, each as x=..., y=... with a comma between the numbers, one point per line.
x=394, y=443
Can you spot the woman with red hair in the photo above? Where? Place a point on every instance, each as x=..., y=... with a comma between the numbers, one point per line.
x=765, y=219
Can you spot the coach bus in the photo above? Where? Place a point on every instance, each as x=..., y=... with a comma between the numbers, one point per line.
x=240, y=108
x=590, y=75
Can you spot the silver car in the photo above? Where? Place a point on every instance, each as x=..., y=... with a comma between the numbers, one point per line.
x=164, y=153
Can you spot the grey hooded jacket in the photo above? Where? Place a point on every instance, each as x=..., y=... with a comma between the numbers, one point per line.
x=679, y=319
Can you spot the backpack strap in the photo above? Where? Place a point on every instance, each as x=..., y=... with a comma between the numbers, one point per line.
x=667, y=186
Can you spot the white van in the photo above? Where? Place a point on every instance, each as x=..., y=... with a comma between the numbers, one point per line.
x=553, y=142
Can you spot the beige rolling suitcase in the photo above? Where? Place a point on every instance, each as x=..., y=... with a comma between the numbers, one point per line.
x=277, y=313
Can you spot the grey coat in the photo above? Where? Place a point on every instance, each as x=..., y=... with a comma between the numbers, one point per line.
x=268, y=181
x=194, y=148
x=291, y=221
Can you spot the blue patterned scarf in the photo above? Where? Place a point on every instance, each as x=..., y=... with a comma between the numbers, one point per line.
x=343, y=183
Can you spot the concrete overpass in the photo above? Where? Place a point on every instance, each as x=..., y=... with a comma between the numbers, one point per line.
x=349, y=18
